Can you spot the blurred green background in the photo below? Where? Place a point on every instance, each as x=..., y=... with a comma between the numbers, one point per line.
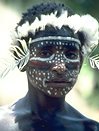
x=82, y=6
x=87, y=87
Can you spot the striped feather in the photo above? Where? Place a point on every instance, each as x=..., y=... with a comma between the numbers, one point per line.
x=15, y=57
x=94, y=61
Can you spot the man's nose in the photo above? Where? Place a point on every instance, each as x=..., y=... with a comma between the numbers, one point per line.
x=59, y=68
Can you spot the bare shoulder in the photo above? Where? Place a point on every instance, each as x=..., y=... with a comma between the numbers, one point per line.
x=7, y=120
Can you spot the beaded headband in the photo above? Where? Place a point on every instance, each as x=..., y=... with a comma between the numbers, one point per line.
x=85, y=24
x=55, y=38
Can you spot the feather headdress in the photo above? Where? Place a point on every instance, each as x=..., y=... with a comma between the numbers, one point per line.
x=86, y=24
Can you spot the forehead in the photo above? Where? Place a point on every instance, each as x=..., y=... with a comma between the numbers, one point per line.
x=55, y=36
x=49, y=30
x=52, y=36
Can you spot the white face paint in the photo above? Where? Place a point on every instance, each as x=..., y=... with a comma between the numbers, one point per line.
x=54, y=66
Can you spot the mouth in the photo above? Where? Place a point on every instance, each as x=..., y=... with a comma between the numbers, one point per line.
x=56, y=83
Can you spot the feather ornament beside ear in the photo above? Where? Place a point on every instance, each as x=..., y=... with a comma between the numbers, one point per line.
x=94, y=57
x=94, y=61
x=20, y=53
x=17, y=56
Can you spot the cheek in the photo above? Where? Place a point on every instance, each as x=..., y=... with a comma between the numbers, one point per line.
x=74, y=66
x=38, y=71
x=39, y=65
x=35, y=74
x=74, y=69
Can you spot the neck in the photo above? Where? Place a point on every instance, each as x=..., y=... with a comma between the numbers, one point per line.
x=40, y=102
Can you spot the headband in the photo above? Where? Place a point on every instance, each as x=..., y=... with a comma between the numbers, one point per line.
x=60, y=38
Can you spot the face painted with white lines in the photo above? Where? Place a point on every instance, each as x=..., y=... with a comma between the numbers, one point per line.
x=54, y=65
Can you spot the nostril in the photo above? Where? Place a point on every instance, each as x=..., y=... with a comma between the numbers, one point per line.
x=59, y=68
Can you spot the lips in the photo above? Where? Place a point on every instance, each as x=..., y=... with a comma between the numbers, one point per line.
x=57, y=82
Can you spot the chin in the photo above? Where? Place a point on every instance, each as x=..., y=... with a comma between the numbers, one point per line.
x=58, y=94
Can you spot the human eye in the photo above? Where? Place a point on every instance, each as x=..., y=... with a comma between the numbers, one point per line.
x=73, y=55
x=71, y=52
x=45, y=53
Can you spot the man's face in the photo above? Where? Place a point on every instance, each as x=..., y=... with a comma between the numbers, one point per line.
x=54, y=66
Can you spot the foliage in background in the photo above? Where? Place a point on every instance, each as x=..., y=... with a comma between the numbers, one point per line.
x=84, y=6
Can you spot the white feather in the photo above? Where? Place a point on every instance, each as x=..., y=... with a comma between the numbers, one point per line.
x=23, y=30
x=94, y=61
x=22, y=54
x=7, y=63
x=10, y=61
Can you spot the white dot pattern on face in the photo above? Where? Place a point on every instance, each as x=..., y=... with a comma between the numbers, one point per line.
x=58, y=59
x=46, y=42
x=42, y=43
x=61, y=92
x=57, y=44
x=50, y=90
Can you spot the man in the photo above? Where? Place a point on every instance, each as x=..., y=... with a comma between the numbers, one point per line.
x=50, y=44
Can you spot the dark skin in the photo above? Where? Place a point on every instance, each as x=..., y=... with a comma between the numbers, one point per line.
x=43, y=100
x=40, y=110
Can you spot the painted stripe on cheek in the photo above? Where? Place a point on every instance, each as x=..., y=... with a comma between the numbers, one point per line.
x=39, y=65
